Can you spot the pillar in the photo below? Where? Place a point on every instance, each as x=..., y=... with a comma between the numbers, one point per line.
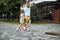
x=56, y=16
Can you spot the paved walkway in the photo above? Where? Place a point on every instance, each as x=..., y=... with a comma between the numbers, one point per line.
x=37, y=32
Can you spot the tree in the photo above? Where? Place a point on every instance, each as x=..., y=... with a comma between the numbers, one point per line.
x=10, y=6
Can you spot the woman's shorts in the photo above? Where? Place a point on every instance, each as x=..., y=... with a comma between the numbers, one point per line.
x=27, y=17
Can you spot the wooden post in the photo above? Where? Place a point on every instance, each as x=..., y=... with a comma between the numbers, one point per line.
x=56, y=16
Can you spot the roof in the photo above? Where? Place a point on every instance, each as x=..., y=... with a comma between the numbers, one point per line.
x=39, y=1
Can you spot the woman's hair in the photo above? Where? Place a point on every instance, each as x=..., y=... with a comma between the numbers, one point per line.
x=27, y=4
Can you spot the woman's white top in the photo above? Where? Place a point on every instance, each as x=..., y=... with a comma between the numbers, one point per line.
x=27, y=11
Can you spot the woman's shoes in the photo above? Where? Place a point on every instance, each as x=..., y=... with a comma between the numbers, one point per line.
x=28, y=29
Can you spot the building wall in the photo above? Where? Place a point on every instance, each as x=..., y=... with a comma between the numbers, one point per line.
x=57, y=13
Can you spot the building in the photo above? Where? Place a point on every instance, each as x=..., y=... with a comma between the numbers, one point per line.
x=50, y=9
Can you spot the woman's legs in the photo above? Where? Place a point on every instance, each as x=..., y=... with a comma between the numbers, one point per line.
x=27, y=26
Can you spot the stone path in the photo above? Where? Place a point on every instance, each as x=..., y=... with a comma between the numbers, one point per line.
x=37, y=32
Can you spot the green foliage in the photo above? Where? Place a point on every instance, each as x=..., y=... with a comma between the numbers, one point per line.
x=11, y=6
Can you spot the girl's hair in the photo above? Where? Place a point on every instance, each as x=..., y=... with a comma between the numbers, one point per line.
x=22, y=11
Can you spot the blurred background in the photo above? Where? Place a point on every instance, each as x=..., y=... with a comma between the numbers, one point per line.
x=46, y=11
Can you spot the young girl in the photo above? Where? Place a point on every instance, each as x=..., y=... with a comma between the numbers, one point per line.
x=21, y=21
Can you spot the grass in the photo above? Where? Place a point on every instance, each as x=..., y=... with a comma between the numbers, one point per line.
x=12, y=22
x=41, y=23
x=16, y=22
